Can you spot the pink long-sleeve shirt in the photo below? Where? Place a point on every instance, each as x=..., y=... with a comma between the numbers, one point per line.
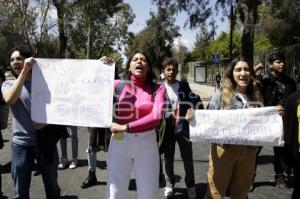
x=137, y=106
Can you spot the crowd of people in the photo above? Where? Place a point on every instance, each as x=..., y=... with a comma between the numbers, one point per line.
x=131, y=139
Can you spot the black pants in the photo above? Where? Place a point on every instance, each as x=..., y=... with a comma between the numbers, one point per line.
x=279, y=160
x=186, y=152
x=296, y=191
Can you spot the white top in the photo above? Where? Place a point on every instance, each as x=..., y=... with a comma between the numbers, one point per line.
x=172, y=91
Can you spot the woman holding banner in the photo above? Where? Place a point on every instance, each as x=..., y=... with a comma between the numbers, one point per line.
x=133, y=145
x=233, y=166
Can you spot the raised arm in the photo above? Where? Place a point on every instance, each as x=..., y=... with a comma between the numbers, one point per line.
x=12, y=94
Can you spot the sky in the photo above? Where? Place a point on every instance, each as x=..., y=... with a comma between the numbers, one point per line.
x=142, y=10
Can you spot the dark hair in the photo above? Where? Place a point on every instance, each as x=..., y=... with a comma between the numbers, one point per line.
x=127, y=74
x=24, y=52
x=275, y=56
x=169, y=61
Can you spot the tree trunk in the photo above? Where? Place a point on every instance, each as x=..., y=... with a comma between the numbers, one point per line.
x=248, y=43
x=248, y=15
x=61, y=27
x=232, y=23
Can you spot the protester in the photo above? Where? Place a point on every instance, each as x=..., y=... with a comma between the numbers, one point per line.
x=180, y=98
x=291, y=121
x=232, y=166
x=277, y=86
x=30, y=140
x=72, y=131
x=133, y=144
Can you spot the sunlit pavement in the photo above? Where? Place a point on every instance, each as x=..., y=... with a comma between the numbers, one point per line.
x=71, y=179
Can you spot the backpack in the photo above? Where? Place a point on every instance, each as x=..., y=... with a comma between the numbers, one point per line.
x=162, y=135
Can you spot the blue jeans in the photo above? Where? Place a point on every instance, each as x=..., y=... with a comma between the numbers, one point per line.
x=92, y=160
x=22, y=166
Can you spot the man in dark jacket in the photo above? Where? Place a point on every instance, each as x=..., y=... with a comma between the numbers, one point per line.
x=277, y=86
x=180, y=98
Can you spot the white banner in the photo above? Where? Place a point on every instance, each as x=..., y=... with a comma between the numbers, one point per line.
x=253, y=126
x=72, y=92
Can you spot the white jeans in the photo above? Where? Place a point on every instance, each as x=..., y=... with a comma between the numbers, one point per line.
x=140, y=152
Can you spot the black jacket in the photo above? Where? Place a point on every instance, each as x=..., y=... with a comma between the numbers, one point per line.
x=276, y=89
x=290, y=123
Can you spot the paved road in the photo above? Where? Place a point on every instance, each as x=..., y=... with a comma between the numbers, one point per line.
x=70, y=180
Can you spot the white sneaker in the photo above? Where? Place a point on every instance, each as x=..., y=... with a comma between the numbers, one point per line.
x=63, y=163
x=73, y=164
x=191, y=192
x=168, y=192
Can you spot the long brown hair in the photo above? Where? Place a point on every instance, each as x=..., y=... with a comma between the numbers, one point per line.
x=229, y=84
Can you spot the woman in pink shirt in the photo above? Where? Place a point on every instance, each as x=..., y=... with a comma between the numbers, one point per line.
x=133, y=145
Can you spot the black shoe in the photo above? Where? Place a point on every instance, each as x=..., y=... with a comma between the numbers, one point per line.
x=90, y=181
x=280, y=181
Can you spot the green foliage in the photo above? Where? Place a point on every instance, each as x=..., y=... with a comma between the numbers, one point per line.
x=198, y=11
x=157, y=38
x=103, y=23
x=205, y=48
x=221, y=44
x=262, y=45
x=280, y=22
x=203, y=40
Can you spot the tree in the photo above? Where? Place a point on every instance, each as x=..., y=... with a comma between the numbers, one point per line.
x=92, y=21
x=158, y=37
x=220, y=45
x=246, y=12
x=31, y=22
x=203, y=40
x=279, y=19
x=99, y=31
x=200, y=12
x=279, y=30
x=34, y=25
